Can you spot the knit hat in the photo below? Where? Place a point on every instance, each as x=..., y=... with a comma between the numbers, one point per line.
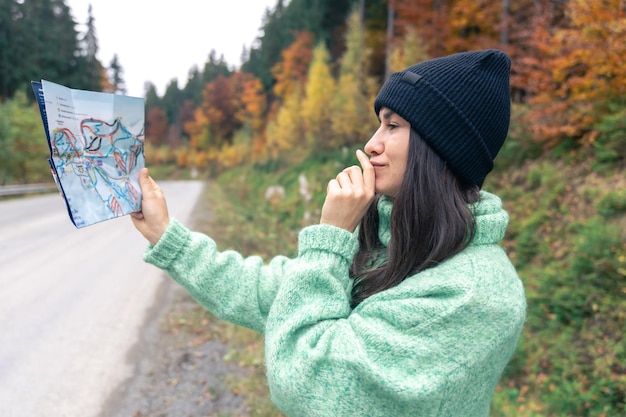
x=459, y=104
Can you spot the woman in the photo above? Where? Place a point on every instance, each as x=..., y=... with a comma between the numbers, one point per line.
x=400, y=302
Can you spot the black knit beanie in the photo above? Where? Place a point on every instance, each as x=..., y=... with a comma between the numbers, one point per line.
x=460, y=104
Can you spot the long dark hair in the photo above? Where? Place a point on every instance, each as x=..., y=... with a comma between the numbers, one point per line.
x=430, y=222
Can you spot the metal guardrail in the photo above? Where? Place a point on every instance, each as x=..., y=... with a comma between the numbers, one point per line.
x=21, y=189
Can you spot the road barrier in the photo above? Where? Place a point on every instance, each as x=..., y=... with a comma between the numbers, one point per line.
x=20, y=189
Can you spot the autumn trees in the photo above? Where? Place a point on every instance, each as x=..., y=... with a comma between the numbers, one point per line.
x=566, y=69
x=585, y=72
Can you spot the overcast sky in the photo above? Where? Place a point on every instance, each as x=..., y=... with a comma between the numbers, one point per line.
x=160, y=40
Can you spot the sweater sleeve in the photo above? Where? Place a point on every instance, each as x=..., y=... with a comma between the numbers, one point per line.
x=236, y=289
x=405, y=351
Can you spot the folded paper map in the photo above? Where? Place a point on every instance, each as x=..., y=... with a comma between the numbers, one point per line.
x=96, y=150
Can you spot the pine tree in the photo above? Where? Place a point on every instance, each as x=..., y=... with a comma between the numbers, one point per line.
x=116, y=76
x=41, y=41
x=7, y=49
x=92, y=74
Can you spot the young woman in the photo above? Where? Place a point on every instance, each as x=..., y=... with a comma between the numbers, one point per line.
x=401, y=301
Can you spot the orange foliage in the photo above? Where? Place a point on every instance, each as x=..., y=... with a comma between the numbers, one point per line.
x=197, y=129
x=156, y=126
x=530, y=24
x=251, y=99
x=219, y=106
x=448, y=26
x=252, y=105
x=292, y=70
x=474, y=25
x=586, y=69
x=428, y=17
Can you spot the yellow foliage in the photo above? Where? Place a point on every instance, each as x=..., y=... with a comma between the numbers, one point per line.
x=320, y=89
x=157, y=155
x=352, y=118
x=233, y=155
x=182, y=159
x=410, y=51
x=287, y=130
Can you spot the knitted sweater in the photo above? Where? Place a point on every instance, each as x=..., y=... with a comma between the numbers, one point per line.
x=434, y=345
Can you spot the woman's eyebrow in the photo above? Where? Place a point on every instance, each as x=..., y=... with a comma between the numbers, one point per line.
x=387, y=114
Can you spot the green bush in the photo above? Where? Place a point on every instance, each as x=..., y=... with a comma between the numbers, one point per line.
x=610, y=145
x=25, y=151
x=613, y=203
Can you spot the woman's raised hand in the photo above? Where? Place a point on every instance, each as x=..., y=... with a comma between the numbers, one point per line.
x=153, y=218
x=349, y=195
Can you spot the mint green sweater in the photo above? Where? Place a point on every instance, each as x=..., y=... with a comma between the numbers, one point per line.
x=435, y=345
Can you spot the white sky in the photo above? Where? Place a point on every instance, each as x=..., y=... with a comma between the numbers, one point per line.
x=160, y=40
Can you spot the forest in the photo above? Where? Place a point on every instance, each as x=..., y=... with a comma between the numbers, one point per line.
x=302, y=99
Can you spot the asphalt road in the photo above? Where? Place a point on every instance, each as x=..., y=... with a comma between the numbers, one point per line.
x=72, y=303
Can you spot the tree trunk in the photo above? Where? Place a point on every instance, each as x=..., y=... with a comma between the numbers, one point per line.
x=389, y=39
x=504, y=30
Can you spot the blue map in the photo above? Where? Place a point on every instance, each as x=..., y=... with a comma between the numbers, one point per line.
x=96, y=145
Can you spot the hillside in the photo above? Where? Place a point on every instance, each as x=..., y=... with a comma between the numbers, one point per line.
x=566, y=237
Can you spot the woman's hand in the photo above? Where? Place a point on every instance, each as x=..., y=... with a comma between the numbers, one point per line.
x=153, y=218
x=349, y=195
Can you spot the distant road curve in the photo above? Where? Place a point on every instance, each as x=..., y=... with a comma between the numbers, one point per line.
x=72, y=302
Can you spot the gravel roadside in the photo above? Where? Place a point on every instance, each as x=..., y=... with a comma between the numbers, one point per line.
x=175, y=376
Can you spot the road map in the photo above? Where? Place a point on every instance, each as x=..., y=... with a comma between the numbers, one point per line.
x=96, y=145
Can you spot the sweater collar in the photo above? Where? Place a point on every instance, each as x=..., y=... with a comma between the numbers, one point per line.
x=491, y=219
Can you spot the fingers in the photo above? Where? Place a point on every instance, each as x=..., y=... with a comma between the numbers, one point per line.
x=369, y=176
x=143, y=178
x=148, y=186
x=153, y=218
x=333, y=186
x=349, y=195
x=358, y=177
x=349, y=177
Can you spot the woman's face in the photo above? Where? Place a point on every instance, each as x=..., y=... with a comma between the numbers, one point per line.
x=389, y=150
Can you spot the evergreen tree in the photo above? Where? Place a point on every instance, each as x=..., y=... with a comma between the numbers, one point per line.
x=193, y=89
x=92, y=75
x=8, y=67
x=214, y=67
x=151, y=96
x=274, y=39
x=89, y=40
x=45, y=43
x=39, y=40
x=172, y=102
x=325, y=19
x=116, y=76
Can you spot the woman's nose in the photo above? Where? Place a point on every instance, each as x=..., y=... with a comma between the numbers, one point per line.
x=373, y=146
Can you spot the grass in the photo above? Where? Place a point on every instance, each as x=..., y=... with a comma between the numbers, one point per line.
x=216, y=216
x=566, y=234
